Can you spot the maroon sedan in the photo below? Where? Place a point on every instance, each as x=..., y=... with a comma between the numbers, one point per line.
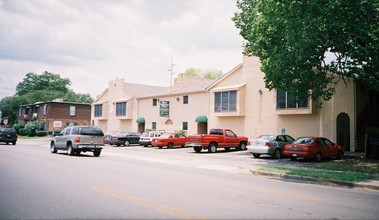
x=313, y=148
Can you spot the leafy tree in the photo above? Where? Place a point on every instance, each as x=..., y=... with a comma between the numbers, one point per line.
x=293, y=38
x=40, y=88
x=45, y=81
x=199, y=73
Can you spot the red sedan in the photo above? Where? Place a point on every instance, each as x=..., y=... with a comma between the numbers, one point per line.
x=313, y=148
x=170, y=140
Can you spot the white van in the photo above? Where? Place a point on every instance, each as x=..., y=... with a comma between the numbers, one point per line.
x=145, y=138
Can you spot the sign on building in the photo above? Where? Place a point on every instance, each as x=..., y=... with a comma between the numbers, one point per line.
x=57, y=124
x=164, y=108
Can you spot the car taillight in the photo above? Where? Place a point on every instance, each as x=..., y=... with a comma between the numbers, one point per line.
x=77, y=140
x=104, y=140
x=267, y=144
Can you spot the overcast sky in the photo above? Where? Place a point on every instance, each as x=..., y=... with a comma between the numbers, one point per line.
x=94, y=41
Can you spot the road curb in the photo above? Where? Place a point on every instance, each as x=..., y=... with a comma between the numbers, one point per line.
x=316, y=181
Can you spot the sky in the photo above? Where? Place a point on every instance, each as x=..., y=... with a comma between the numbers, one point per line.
x=92, y=42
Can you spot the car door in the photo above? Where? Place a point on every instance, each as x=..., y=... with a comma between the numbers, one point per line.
x=60, y=139
x=230, y=139
x=328, y=148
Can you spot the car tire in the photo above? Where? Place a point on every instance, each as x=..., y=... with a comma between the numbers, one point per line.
x=212, y=148
x=52, y=148
x=126, y=143
x=70, y=150
x=242, y=146
x=256, y=155
x=276, y=154
x=339, y=155
x=14, y=142
x=97, y=153
x=318, y=157
x=170, y=145
x=197, y=149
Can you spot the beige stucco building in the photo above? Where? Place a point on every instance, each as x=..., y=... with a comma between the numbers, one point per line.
x=239, y=101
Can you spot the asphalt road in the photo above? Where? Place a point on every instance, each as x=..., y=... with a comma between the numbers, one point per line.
x=150, y=183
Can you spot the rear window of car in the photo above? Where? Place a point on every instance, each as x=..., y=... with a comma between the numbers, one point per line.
x=93, y=131
x=266, y=137
x=145, y=134
x=8, y=130
x=304, y=141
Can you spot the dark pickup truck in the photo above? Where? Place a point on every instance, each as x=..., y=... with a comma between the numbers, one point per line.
x=217, y=138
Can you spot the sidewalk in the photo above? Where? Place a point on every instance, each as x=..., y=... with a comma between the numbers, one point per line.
x=372, y=184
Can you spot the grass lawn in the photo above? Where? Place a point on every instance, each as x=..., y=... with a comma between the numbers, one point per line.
x=351, y=169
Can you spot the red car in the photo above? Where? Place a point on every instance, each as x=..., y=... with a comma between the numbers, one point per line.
x=170, y=140
x=313, y=148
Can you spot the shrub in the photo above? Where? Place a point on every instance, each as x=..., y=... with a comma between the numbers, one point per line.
x=32, y=127
x=41, y=133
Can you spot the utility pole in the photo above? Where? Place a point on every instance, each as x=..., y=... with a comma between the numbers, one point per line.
x=171, y=71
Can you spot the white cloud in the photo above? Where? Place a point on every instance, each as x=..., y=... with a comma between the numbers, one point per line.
x=91, y=42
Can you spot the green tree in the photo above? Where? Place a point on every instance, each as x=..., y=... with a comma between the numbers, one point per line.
x=44, y=81
x=200, y=73
x=40, y=88
x=293, y=38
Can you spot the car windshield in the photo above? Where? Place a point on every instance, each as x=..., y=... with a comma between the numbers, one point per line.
x=8, y=130
x=305, y=140
x=165, y=135
x=145, y=134
x=91, y=131
x=266, y=137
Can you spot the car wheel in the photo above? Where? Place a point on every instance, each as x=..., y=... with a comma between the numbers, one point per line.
x=318, y=157
x=212, y=148
x=276, y=154
x=339, y=155
x=97, y=153
x=256, y=155
x=242, y=146
x=70, y=151
x=293, y=158
x=14, y=142
x=126, y=143
x=170, y=145
x=52, y=148
x=197, y=149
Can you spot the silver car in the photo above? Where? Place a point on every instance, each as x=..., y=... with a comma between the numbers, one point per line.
x=76, y=139
x=269, y=144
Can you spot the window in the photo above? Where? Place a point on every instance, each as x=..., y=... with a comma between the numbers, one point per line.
x=229, y=133
x=185, y=99
x=155, y=101
x=185, y=125
x=27, y=111
x=154, y=125
x=120, y=108
x=45, y=109
x=225, y=101
x=98, y=110
x=72, y=110
x=285, y=100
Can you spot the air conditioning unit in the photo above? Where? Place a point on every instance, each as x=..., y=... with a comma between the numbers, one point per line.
x=35, y=115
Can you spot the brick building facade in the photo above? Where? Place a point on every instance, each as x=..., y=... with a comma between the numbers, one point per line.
x=56, y=115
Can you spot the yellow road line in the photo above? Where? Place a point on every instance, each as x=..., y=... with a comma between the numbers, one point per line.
x=146, y=203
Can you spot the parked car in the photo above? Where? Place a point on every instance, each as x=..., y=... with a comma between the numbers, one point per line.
x=125, y=138
x=8, y=135
x=269, y=144
x=170, y=140
x=108, y=136
x=147, y=136
x=313, y=148
x=76, y=139
x=217, y=138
